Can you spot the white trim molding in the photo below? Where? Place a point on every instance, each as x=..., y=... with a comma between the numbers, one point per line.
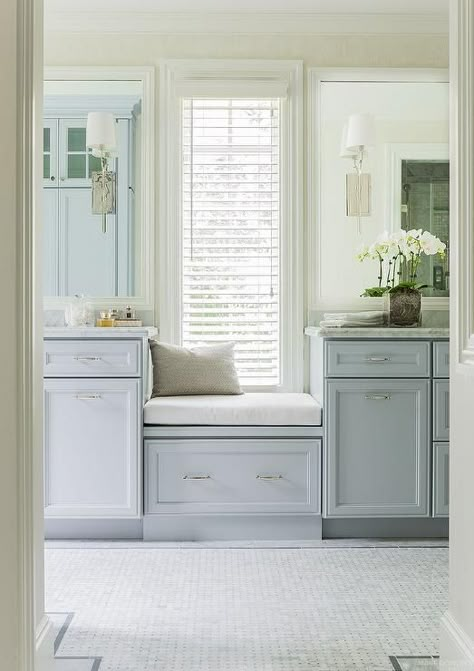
x=179, y=75
x=462, y=185
x=317, y=301
x=145, y=254
x=244, y=22
x=35, y=642
x=45, y=636
x=456, y=648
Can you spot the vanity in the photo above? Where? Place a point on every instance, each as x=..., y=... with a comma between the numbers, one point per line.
x=385, y=397
x=95, y=385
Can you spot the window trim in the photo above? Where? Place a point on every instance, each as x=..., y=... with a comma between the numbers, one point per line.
x=173, y=74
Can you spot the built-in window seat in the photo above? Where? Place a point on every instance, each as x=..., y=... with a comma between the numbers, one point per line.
x=251, y=409
x=232, y=467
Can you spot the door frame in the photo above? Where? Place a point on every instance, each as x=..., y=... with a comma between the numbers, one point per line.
x=34, y=629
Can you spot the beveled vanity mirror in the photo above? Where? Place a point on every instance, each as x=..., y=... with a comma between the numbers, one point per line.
x=106, y=258
x=405, y=177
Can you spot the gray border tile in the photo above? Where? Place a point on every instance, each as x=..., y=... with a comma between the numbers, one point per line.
x=96, y=661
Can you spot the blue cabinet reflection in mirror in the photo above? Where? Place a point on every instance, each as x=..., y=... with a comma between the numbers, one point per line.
x=78, y=257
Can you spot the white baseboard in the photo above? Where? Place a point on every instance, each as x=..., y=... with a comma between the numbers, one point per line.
x=44, y=645
x=456, y=648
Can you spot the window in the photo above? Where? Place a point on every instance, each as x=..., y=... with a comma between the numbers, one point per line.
x=231, y=230
x=230, y=220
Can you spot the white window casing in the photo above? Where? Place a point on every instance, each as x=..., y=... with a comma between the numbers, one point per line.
x=231, y=214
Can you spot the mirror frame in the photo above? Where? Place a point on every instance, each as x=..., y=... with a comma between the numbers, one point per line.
x=317, y=302
x=146, y=75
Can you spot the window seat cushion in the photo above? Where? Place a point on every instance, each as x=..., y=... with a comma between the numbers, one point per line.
x=252, y=409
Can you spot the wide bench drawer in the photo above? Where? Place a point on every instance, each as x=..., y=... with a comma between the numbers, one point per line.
x=377, y=358
x=441, y=359
x=92, y=358
x=239, y=475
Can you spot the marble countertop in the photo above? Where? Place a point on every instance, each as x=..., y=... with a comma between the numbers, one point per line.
x=100, y=332
x=377, y=332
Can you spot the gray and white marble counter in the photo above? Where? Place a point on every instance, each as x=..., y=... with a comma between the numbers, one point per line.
x=100, y=332
x=377, y=332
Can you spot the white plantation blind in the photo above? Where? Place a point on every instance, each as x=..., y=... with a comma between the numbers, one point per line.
x=231, y=230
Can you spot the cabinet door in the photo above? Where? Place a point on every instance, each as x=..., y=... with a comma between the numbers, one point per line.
x=76, y=162
x=50, y=153
x=377, y=450
x=87, y=259
x=92, y=446
x=440, y=410
x=440, y=479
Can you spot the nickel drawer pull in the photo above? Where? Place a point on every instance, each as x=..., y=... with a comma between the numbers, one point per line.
x=378, y=397
x=87, y=358
x=196, y=477
x=270, y=477
x=88, y=397
x=377, y=359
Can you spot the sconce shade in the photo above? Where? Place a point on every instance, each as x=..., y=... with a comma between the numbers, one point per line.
x=345, y=152
x=100, y=131
x=360, y=132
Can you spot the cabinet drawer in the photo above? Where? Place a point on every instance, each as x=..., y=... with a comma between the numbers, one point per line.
x=441, y=359
x=440, y=409
x=376, y=358
x=92, y=358
x=440, y=479
x=240, y=475
x=92, y=448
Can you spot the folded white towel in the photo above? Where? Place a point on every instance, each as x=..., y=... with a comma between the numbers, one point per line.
x=371, y=315
x=330, y=323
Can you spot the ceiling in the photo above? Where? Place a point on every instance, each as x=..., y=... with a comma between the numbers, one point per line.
x=313, y=6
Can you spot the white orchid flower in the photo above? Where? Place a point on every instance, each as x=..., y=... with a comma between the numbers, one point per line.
x=431, y=245
x=362, y=252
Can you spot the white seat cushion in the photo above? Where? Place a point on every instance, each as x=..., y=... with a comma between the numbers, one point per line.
x=253, y=409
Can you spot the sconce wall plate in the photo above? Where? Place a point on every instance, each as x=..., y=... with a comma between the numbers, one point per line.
x=104, y=192
x=358, y=194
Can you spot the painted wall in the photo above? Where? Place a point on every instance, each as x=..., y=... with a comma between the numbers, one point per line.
x=315, y=50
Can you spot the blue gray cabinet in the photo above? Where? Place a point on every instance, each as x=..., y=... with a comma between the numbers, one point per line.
x=386, y=422
x=377, y=449
x=93, y=403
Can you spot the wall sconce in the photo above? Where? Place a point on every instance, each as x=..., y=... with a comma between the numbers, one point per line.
x=101, y=138
x=358, y=134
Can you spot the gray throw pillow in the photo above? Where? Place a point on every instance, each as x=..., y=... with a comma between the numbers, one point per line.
x=178, y=371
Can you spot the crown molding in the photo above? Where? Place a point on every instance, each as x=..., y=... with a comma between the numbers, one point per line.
x=258, y=22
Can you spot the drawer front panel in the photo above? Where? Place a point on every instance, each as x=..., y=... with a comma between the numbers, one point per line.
x=92, y=358
x=376, y=448
x=441, y=359
x=377, y=359
x=440, y=409
x=241, y=475
x=92, y=448
x=440, y=479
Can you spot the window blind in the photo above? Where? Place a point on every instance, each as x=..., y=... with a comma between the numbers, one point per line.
x=231, y=230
